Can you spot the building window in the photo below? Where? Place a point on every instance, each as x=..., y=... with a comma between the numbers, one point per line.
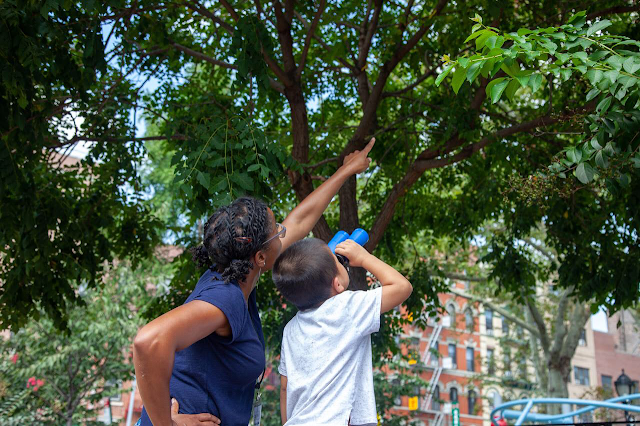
x=606, y=382
x=522, y=368
x=468, y=319
x=491, y=362
x=435, y=355
x=488, y=317
x=451, y=310
x=414, y=351
x=583, y=338
x=494, y=399
x=581, y=375
x=472, y=402
x=435, y=402
x=507, y=362
x=453, y=395
x=470, y=363
x=505, y=326
x=452, y=354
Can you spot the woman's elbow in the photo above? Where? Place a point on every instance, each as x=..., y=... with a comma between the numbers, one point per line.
x=408, y=289
x=145, y=342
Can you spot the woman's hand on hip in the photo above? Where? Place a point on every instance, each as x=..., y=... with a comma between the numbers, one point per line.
x=202, y=419
x=358, y=161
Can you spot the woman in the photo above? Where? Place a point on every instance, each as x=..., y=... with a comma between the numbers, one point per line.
x=209, y=352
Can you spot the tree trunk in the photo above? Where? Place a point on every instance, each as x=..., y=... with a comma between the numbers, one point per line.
x=558, y=378
x=301, y=182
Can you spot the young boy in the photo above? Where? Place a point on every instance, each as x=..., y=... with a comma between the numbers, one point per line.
x=325, y=362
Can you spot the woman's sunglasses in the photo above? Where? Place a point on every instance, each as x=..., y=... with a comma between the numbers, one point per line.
x=281, y=231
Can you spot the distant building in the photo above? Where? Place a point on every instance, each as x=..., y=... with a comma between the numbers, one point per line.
x=480, y=364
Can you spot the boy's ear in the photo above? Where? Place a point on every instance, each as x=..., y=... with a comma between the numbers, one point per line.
x=337, y=286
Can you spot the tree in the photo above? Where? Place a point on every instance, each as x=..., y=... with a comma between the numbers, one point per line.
x=54, y=377
x=249, y=93
x=553, y=318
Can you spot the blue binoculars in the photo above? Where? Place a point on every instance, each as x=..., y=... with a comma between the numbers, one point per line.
x=359, y=235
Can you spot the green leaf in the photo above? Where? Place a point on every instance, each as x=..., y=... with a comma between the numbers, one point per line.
x=458, y=78
x=524, y=31
x=550, y=46
x=624, y=180
x=497, y=90
x=443, y=74
x=565, y=73
x=464, y=62
x=612, y=75
x=592, y=93
x=630, y=65
x=494, y=42
x=480, y=41
x=253, y=167
x=601, y=25
x=604, y=105
x=474, y=70
x=596, y=56
x=601, y=160
x=523, y=79
x=243, y=180
x=585, y=173
x=615, y=61
x=574, y=155
x=595, y=144
x=204, y=179
x=511, y=89
x=576, y=17
x=472, y=36
x=535, y=81
x=594, y=76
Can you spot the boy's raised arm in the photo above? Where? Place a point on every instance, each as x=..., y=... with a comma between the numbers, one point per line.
x=395, y=287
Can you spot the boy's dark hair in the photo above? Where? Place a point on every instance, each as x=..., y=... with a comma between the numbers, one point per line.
x=232, y=235
x=303, y=273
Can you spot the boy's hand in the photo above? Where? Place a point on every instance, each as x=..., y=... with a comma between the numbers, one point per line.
x=353, y=251
x=358, y=161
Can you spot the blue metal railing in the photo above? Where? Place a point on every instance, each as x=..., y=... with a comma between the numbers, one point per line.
x=526, y=415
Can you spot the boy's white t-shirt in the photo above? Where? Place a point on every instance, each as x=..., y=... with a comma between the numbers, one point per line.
x=326, y=357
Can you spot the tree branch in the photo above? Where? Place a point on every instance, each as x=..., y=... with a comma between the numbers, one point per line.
x=202, y=56
x=613, y=10
x=422, y=78
x=539, y=322
x=310, y=32
x=577, y=319
x=231, y=10
x=440, y=157
x=560, y=331
x=198, y=7
x=546, y=253
x=498, y=309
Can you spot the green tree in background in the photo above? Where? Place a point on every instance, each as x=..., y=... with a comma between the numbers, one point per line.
x=54, y=377
x=267, y=98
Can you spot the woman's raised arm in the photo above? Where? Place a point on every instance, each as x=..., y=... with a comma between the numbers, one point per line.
x=303, y=218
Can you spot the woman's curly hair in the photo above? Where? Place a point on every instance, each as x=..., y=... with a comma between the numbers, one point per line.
x=232, y=235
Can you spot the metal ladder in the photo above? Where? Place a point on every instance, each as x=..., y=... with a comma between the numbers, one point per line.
x=431, y=388
x=432, y=339
x=437, y=421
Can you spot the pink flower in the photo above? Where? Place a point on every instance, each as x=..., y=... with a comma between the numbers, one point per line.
x=14, y=358
x=31, y=381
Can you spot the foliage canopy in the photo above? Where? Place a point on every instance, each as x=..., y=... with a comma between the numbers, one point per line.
x=267, y=98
